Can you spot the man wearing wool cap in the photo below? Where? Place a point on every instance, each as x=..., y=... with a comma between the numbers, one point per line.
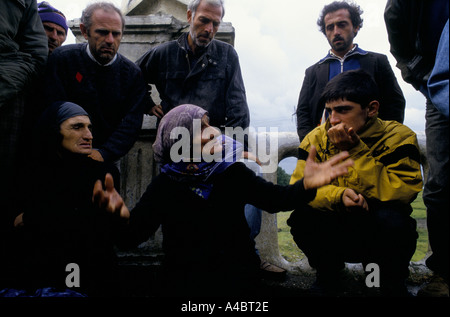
x=55, y=25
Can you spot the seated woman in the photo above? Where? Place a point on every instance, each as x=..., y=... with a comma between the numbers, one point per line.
x=200, y=204
x=57, y=217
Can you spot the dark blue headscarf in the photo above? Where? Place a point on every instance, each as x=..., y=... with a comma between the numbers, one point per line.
x=59, y=112
x=47, y=136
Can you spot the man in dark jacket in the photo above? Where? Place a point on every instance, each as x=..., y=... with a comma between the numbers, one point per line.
x=23, y=53
x=105, y=83
x=414, y=29
x=197, y=69
x=340, y=22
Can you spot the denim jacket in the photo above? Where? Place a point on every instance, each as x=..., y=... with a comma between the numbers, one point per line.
x=214, y=83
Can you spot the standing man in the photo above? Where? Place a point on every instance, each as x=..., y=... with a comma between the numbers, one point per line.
x=23, y=54
x=55, y=25
x=105, y=83
x=197, y=69
x=414, y=29
x=340, y=22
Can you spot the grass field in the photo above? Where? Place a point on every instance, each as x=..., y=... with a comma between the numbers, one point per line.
x=292, y=253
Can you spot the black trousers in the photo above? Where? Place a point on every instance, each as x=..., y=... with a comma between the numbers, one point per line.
x=386, y=235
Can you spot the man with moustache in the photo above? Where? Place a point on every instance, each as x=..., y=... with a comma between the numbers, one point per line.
x=340, y=22
x=106, y=84
x=55, y=25
x=197, y=69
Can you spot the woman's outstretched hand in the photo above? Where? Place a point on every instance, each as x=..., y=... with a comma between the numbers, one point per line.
x=109, y=199
x=319, y=174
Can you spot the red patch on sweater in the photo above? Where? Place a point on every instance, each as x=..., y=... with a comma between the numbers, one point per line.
x=79, y=77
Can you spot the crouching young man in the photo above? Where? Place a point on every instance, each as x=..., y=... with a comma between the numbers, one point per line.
x=364, y=216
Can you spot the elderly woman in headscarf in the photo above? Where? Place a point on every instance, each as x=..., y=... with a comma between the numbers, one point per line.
x=60, y=221
x=199, y=198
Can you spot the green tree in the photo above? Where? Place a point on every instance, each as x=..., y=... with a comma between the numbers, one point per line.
x=282, y=177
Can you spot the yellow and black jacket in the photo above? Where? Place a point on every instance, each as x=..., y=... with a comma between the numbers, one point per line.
x=387, y=164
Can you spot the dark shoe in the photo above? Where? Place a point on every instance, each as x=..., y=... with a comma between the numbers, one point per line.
x=436, y=287
x=395, y=291
x=325, y=289
x=328, y=284
x=272, y=272
x=394, y=288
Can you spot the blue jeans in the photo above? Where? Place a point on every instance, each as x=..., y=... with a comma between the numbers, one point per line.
x=253, y=215
x=436, y=191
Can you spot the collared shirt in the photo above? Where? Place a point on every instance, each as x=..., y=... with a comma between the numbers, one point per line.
x=93, y=58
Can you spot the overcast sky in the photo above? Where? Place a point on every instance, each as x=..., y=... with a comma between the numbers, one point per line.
x=276, y=42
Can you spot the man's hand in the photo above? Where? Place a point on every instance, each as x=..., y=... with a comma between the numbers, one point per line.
x=95, y=155
x=319, y=174
x=353, y=200
x=109, y=199
x=342, y=137
x=251, y=156
x=157, y=111
x=18, y=222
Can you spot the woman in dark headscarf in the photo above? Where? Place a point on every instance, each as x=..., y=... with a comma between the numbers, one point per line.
x=199, y=199
x=61, y=224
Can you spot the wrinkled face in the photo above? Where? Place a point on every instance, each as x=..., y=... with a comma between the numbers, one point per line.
x=104, y=35
x=77, y=135
x=204, y=24
x=349, y=113
x=56, y=35
x=339, y=31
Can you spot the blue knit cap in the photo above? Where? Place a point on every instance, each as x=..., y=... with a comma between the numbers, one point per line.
x=51, y=14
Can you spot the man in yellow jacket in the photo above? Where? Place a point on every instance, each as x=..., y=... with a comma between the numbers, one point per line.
x=364, y=216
